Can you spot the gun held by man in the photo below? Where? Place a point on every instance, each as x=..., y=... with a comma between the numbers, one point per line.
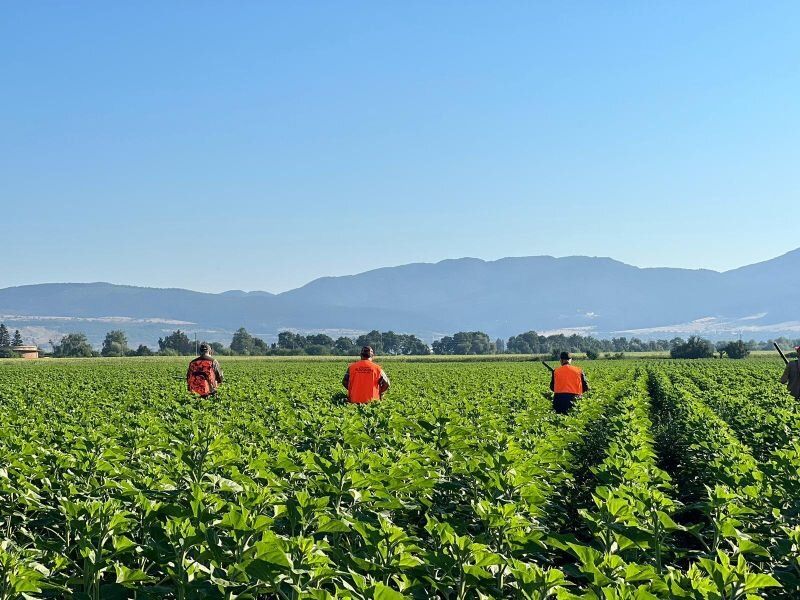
x=783, y=356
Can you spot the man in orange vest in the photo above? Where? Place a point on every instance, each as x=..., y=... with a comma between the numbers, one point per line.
x=568, y=384
x=365, y=380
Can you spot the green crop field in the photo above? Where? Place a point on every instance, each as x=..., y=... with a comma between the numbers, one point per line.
x=670, y=480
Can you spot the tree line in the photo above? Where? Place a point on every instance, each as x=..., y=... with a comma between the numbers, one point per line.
x=317, y=344
x=462, y=343
x=178, y=343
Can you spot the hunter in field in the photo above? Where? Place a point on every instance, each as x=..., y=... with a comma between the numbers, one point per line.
x=791, y=375
x=568, y=383
x=365, y=380
x=204, y=376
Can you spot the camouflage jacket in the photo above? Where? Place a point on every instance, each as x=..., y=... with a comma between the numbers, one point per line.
x=791, y=377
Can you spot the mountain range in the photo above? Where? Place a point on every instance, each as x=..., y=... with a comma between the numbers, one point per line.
x=589, y=295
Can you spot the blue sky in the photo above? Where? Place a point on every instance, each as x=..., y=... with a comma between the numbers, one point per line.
x=258, y=145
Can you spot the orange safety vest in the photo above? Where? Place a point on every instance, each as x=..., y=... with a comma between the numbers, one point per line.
x=362, y=385
x=201, y=378
x=567, y=380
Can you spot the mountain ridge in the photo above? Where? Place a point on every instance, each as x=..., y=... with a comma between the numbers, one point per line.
x=599, y=295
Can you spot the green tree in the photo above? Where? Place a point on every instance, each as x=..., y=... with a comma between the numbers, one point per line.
x=443, y=345
x=242, y=342
x=345, y=346
x=319, y=339
x=694, y=347
x=176, y=343
x=5, y=337
x=412, y=345
x=736, y=349
x=526, y=343
x=291, y=341
x=317, y=350
x=260, y=347
x=17, y=341
x=676, y=341
x=464, y=342
x=115, y=344
x=373, y=338
x=392, y=343
x=219, y=348
x=143, y=350
x=72, y=345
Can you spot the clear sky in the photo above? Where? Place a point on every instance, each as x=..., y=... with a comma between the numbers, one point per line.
x=257, y=145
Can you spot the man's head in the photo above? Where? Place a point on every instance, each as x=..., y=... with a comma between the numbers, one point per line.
x=205, y=348
x=565, y=358
x=367, y=352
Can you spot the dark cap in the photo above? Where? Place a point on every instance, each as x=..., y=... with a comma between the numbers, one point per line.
x=565, y=356
x=367, y=352
x=204, y=348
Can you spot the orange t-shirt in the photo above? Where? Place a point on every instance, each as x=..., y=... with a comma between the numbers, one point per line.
x=364, y=381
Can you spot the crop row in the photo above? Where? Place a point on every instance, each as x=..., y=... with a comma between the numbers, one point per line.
x=728, y=495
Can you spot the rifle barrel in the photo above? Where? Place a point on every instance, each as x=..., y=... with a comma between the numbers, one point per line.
x=783, y=356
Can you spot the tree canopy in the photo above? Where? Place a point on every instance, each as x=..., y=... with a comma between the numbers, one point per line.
x=73, y=345
x=464, y=342
x=176, y=343
x=735, y=349
x=115, y=344
x=694, y=347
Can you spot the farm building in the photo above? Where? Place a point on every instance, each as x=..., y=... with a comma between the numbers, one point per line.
x=26, y=351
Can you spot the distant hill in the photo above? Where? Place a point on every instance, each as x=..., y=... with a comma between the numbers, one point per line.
x=600, y=296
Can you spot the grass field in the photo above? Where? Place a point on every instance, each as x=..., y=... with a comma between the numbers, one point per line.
x=671, y=479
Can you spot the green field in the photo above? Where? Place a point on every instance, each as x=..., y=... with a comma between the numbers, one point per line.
x=672, y=479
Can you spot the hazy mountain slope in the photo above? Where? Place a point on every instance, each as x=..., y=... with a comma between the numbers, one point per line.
x=772, y=286
x=507, y=294
x=501, y=297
